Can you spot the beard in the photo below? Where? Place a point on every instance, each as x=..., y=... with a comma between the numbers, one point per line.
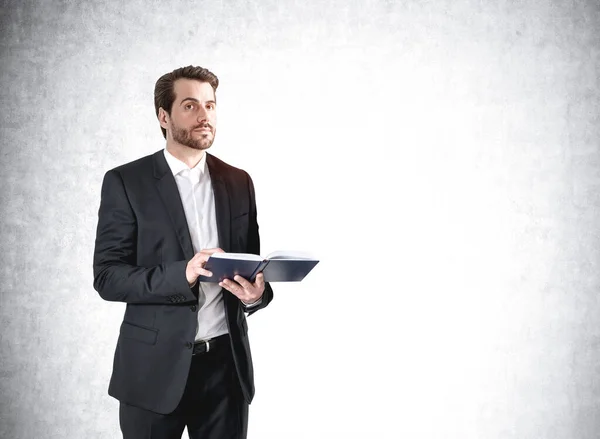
x=184, y=137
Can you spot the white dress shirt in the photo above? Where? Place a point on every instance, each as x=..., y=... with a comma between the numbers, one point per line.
x=196, y=192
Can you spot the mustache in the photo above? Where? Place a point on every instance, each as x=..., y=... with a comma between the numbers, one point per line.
x=203, y=125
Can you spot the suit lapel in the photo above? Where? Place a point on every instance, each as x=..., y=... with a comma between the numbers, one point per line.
x=221, y=202
x=169, y=194
x=223, y=213
x=167, y=188
x=231, y=304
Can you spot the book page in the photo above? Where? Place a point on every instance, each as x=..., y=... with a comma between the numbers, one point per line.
x=283, y=254
x=241, y=256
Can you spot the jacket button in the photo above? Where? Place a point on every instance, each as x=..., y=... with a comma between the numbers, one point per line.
x=189, y=345
x=193, y=308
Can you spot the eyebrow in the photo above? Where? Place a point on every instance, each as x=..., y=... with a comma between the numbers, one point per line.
x=196, y=100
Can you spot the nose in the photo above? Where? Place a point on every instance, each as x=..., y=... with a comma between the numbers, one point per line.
x=202, y=114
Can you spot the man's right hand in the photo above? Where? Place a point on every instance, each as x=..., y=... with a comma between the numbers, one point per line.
x=195, y=267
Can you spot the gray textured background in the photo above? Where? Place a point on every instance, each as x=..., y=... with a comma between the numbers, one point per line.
x=441, y=158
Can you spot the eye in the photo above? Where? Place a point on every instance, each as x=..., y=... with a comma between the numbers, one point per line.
x=210, y=106
x=189, y=106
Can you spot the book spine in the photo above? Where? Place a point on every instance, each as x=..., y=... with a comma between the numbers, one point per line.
x=258, y=269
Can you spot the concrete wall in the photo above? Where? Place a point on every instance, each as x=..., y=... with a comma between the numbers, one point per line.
x=441, y=158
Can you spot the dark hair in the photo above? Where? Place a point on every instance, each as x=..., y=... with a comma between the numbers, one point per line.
x=164, y=93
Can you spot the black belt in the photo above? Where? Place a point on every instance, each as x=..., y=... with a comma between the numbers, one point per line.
x=202, y=346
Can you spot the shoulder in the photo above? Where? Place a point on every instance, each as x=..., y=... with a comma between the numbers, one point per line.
x=218, y=167
x=136, y=166
x=135, y=175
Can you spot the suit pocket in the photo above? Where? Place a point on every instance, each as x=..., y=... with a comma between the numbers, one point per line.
x=139, y=333
x=241, y=215
x=239, y=220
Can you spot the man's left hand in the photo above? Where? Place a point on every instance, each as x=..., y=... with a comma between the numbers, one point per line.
x=245, y=290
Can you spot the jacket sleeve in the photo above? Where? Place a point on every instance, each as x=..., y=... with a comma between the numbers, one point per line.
x=116, y=274
x=254, y=247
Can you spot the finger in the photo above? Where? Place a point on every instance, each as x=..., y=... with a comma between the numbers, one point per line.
x=243, y=282
x=224, y=285
x=204, y=254
x=237, y=290
x=260, y=280
x=210, y=251
x=201, y=258
x=232, y=287
x=205, y=272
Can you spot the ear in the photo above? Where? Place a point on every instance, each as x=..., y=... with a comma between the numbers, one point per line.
x=163, y=118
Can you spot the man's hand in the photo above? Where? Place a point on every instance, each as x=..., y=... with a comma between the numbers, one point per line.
x=244, y=290
x=195, y=267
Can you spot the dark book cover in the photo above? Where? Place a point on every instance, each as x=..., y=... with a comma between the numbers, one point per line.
x=222, y=268
x=276, y=268
x=287, y=270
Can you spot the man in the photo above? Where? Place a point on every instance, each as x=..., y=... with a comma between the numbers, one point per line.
x=182, y=358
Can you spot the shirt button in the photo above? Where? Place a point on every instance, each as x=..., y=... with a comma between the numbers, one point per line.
x=193, y=308
x=189, y=345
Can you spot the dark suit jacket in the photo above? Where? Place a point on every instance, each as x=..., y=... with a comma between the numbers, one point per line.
x=142, y=249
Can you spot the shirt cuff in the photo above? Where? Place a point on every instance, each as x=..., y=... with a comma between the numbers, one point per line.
x=250, y=305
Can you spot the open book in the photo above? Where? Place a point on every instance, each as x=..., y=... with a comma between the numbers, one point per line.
x=278, y=266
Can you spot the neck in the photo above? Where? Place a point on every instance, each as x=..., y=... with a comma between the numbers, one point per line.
x=187, y=155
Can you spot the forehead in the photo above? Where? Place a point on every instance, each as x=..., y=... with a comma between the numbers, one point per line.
x=192, y=88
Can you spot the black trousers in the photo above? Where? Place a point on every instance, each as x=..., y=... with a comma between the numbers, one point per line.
x=212, y=406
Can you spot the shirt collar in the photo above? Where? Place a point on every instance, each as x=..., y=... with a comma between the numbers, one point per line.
x=177, y=166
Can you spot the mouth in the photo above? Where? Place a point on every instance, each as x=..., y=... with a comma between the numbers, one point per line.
x=204, y=131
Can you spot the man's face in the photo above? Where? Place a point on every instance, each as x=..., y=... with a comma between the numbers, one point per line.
x=193, y=116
